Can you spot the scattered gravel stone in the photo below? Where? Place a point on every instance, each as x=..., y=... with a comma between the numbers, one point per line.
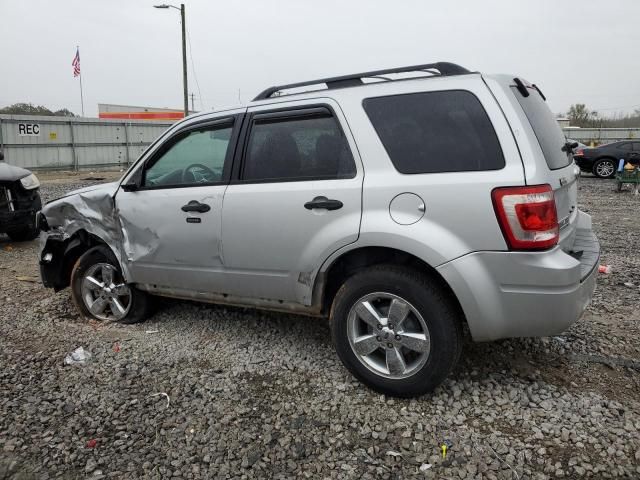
x=262, y=395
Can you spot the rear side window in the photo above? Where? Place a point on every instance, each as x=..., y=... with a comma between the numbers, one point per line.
x=435, y=132
x=297, y=149
x=546, y=128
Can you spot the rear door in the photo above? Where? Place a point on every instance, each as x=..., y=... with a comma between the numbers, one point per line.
x=295, y=199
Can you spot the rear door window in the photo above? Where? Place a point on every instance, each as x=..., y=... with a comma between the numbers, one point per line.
x=297, y=148
x=434, y=132
x=546, y=129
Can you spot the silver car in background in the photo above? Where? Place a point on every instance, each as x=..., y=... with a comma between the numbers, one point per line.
x=401, y=204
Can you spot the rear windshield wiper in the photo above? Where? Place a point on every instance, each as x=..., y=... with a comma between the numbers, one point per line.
x=540, y=92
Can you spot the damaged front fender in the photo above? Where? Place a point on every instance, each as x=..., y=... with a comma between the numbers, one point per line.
x=76, y=221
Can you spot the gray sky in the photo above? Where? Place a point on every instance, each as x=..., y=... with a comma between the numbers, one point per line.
x=575, y=50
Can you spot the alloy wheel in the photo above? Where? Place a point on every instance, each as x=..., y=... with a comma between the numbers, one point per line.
x=104, y=294
x=605, y=168
x=388, y=335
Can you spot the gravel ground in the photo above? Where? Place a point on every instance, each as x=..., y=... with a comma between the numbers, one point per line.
x=201, y=391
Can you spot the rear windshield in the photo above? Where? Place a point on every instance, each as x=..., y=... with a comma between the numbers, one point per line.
x=546, y=128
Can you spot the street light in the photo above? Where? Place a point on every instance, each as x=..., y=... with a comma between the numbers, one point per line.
x=184, y=54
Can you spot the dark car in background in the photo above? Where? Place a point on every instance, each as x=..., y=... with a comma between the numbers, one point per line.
x=19, y=202
x=603, y=161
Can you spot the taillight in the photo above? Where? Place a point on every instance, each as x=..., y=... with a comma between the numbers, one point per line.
x=579, y=153
x=527, y=216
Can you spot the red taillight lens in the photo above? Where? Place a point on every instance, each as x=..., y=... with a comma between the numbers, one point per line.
x=579, y=153
x=527, y=216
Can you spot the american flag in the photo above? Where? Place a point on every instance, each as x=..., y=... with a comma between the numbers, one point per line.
x=76, y=63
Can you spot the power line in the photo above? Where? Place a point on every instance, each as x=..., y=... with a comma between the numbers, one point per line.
x=193, y=68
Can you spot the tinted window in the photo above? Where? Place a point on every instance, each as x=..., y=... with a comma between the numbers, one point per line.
x=302, y=148
x=546, y=129
x=195, y=158
x=636, y=146
x=435, y=132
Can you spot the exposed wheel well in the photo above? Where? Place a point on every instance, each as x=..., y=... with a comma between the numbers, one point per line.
x=71, y=251
x=355, y=260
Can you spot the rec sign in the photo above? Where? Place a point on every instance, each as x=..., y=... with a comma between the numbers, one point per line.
x=29, y=129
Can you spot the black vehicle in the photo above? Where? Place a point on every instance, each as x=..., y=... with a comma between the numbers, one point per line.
x=603, y=161
x=19, y=202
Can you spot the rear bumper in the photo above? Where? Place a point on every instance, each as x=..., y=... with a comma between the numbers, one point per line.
x=525, y=294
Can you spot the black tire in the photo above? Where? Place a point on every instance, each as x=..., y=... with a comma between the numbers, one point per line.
x=139, y=301
x=599, y=164
x=24, y=234
x=439, y=311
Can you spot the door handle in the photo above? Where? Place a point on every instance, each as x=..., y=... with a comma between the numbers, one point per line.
x=323, y=202
x=196, y=206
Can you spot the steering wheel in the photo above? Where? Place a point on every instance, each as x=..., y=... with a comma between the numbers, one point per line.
x=187, y=171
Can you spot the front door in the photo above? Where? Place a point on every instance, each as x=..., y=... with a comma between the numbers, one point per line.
x=171, y=223
x=295, y=199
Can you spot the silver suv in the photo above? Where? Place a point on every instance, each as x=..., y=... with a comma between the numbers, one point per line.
x=401, y=204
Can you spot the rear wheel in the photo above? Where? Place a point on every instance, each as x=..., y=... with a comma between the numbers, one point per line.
x=23, y=234
x=604, y=168
x=396, y=330
x=99, y=291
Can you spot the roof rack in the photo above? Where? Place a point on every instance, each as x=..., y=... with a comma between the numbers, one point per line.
x=354, y=79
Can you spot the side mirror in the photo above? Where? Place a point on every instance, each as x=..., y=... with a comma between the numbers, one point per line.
x=130, y=186
x=134, y=182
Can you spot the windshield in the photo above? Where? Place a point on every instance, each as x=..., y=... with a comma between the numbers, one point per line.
x=546, y=128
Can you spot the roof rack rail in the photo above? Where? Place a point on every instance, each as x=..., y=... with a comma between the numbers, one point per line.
x=445, y=69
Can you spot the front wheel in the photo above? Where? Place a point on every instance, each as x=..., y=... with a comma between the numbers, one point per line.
x=604, y=168
x=396, y=330
x=99, y=291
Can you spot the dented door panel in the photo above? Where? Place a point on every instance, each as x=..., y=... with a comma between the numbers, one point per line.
x=166, y=247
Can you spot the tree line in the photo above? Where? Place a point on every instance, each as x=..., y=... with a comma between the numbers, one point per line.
x=581, y=116
x=30, y=109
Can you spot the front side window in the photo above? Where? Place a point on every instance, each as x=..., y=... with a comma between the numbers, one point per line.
x=297, y=149
x=434, y=132
x=196, y=157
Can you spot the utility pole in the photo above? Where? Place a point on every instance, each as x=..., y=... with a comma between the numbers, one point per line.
x=184, y=61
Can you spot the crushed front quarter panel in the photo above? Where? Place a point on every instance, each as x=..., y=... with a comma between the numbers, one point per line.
x=89, y=209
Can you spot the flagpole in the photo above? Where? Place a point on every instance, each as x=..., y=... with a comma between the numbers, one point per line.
x=81, y=95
